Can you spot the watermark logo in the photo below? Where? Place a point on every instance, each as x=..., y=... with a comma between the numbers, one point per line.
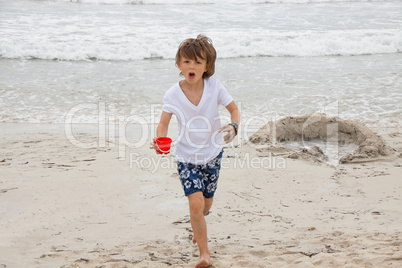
x=113, y=129
x=237, y=161
x=113, y=132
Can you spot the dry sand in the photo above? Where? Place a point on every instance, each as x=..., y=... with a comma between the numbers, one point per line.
x=64, y=206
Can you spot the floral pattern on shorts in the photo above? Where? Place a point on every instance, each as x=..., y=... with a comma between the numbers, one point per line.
x=200, y=178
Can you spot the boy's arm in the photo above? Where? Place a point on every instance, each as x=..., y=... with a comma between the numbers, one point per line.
x=234, y=112
x=162, y=129
x=235, y=118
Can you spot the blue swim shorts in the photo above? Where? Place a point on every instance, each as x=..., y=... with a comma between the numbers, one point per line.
x=200, y=178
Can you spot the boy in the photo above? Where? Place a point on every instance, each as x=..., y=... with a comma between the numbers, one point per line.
x=195, y=102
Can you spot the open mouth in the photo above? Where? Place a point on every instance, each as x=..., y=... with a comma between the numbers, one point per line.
x=191, y=75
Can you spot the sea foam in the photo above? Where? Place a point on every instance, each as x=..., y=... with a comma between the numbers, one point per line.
x=62, y=30
x=230, y=45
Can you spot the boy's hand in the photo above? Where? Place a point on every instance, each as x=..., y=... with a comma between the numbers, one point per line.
x=231, y=133
x=153, y=144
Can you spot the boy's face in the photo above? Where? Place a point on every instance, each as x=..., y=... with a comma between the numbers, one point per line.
x=192, y=70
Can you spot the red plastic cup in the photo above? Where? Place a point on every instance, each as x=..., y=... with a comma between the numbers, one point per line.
x=163, y=145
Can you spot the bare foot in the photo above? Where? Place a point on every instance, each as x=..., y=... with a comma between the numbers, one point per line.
x=203, y=264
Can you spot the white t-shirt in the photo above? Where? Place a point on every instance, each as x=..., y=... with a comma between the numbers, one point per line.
x=198, y=140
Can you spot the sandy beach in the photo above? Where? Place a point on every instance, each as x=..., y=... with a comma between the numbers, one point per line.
x=99, y=197
x=65, y=206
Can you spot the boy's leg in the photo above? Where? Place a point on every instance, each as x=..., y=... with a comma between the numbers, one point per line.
x=210, y=180
x=199, y=225
x=208, y=204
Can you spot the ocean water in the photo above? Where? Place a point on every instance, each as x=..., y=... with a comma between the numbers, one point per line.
x=86, y=61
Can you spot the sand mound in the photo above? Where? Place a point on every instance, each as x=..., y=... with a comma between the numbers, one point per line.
x=329, y=129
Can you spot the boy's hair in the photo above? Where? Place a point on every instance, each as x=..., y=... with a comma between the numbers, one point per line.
x=201, y=47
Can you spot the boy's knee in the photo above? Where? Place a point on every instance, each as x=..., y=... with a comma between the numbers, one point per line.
x=196, y=202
